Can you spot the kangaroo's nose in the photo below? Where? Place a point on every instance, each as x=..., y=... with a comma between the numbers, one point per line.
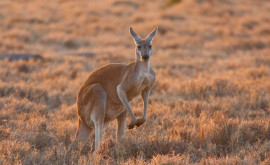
x=146, y=57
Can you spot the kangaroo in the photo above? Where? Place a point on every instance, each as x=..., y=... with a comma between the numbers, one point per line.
x=106, y=93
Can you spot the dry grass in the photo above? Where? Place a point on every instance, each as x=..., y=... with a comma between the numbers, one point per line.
x=210, y=104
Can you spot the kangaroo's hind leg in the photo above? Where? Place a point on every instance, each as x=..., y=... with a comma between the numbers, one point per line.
x=121, y=120
x=83, y=132
x=98, y=112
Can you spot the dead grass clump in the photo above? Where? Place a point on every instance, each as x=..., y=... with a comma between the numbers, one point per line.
x=4, y=133
x=251, y=45
x=222, y=136
x=23, y=68
x=262, y=61
x=163, y=29
x=169, y=159
x=258, y=73
x=250, y=132
x=61, y=39
x=67, y=112
x=13, y=45
x=213, y=129
x=54, y=101
x=138, y=18
x=20, y=34
x=266, y=161
x=228, y=161
x=251, y=100
x=14, y=105
x=258, y=99
x=14, y=151
x=250, y=24
x=229, y=135
x=193, y=108
x=265, y=32
x=144, y=149
x=41, y=140
x=172, y=2
x=223, y=87
x=30, y=65
x=30, y=93
x=173, y=17
x=126, y=3
x=202, y=90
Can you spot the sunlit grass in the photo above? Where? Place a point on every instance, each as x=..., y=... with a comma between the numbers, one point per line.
x=210, y=103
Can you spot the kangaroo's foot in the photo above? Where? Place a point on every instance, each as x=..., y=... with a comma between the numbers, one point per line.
x=140, y=122
x=132, y=124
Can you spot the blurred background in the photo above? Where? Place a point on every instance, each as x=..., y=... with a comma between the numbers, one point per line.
x=185, y=26
x=210, y=103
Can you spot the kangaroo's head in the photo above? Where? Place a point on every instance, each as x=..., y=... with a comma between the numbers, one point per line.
x=143, y=46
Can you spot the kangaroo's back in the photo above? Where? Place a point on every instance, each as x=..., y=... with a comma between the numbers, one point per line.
x=108, y=76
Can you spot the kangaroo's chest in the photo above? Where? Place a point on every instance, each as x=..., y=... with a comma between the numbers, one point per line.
x=142, y=82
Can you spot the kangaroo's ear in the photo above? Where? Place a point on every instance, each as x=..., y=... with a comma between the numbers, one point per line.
x=135, y=36
x=152, y=35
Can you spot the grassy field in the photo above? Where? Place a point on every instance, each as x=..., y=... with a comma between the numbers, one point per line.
x=210, y=103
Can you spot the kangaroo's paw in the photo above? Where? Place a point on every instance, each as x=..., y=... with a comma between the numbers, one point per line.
x=140, y=122
x=132, y=124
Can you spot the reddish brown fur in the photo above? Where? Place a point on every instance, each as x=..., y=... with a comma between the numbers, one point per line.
x=106, y=93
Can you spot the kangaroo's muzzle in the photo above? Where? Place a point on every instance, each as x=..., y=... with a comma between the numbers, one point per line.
x=145, y=57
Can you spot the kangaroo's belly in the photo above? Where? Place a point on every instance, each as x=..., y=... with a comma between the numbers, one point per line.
x=113, y=111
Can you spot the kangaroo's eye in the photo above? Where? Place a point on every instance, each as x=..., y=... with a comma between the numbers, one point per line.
x=150, y=46
x=139, y=47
